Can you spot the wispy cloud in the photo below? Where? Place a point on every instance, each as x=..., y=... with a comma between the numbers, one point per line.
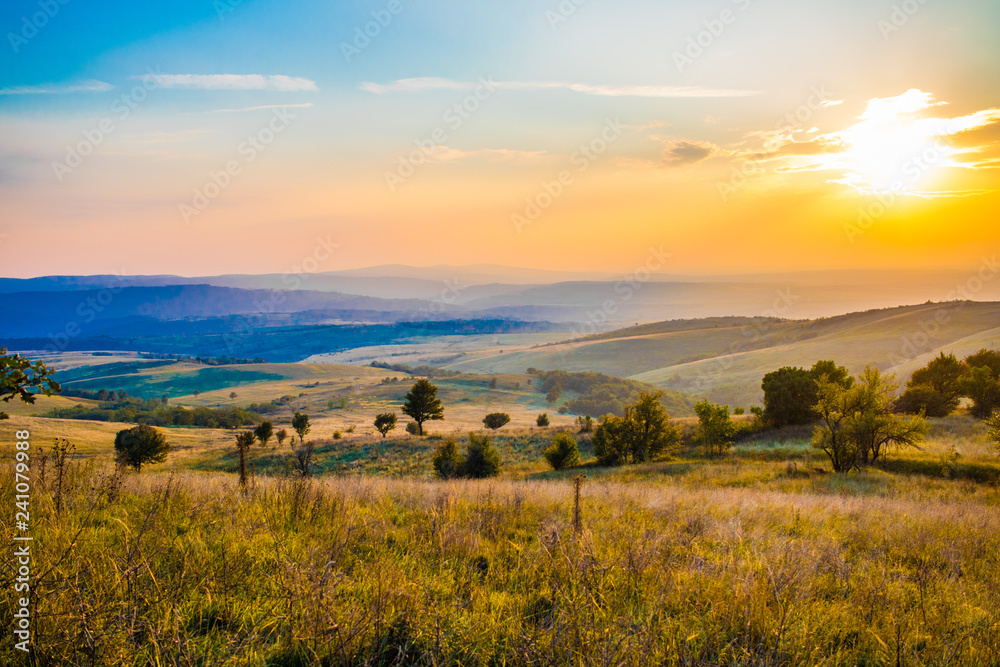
x=305, y=105
x=278, y=82
x=89, y=86
x=424, y=84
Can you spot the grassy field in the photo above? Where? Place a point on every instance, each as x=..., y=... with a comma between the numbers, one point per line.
x=751, y=560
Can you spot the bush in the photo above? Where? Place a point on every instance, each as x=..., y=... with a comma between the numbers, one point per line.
x=447, y=460
x=563, y=452
x=542, y=420
x=496, y=420
x=644, y=433
x=413, y=428
x=481, y=458
x=716, y=430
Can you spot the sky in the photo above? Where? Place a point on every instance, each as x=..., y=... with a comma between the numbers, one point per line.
x=202, y=137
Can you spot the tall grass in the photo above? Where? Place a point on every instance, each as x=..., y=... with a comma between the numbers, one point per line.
x=186, y=570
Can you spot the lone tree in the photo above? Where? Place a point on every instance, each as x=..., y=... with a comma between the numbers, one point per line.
x=21, y=377
x=496, y=420
x=644, y=433
x=981, y=382
x=141, y=444
x=244, y=441
x=281, y=435
x=422, y=404
x=857, y=423
x=264, y=432
x=716, y=430
x=300, y=422
x=385, y=422
x=563, y=452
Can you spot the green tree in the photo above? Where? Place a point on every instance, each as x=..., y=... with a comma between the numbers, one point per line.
x=385, y=422
x=22, y=378
x=994, y=425
x=264, y=432
x=448, y=460
x=482, y=460
x=281, y=435
x=716, y=430
x=300, y=422
x=935, y=389
x=642, y=434
x=858, y=425
x=981, y=382
x=542, y=420
x=139, y=445
x=496, y=420
x=790, y=393
x=563, y=452
x=421, y=404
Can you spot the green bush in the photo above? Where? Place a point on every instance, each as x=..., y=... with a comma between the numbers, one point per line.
x=563, y=452
x=481, y=458
x=447, y=460
x=542, y=420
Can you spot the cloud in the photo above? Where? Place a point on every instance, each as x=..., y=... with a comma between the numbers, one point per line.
x=278, y=82
x=89, y=86
x=449, y=154
x=681, y=153
x=424, y=84
x=305, y=105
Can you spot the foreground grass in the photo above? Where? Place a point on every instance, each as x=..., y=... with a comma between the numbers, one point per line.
x=186, y=570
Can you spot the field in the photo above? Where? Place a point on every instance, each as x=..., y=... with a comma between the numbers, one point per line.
x=753, y=559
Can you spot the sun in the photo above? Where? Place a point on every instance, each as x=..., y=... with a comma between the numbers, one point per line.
x=894, y=147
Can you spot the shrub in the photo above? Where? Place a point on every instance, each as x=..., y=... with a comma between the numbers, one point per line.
x=413, y=428
x=481, y=458
x=542, y=420
x=336, y=435
x=264, y=433
x=447, y=460
x=716, y=431
x=496, y=420
x=644, y=433
x=300, y=422
x=586, y=424
x=563, y=452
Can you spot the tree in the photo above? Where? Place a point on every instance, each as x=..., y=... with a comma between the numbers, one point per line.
x=493, y=383
x=281, y=435
x=981, y=382
x=482, y=460
x=553, y=395
x=994, y=425
x=496, y=420
x=790, y=393
x=542, y=420
x=264, y=432
x=563, y=452
x=300, y=422
x=244, y=441
x=448, y=460
x=139, y=445
x=22, y=378
x=232, y=394
x=644, y=433
x=935, y=389
x=716, y=430
x=858, y=424
x=422, y=404
x=385, y=422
